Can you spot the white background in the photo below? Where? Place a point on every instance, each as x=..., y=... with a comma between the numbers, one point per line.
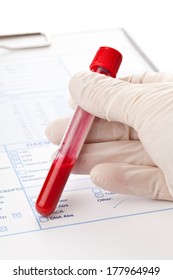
x=149, y=22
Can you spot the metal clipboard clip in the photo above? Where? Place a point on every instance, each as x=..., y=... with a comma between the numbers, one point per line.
x=24, y=41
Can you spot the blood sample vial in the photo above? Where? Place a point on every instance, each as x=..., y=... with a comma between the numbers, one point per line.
x=106, y=61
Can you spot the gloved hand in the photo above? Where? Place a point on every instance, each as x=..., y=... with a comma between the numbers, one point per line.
x=129, y=148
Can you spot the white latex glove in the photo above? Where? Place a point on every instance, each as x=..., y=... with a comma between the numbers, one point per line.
x=129, y=148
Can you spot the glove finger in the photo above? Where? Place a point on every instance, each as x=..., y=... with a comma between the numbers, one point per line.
x=149, y=77
x=72, y=103
x=101, y=131
x=56, y=129
x=116, y=100
x=113, y=152
x=129, y=179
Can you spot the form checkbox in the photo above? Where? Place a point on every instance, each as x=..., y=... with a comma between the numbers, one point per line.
x=3, y=228
x=17, y=215
x=43, y=219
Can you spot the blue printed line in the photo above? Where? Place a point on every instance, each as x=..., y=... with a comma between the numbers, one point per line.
x=22, y=187
x=93, y=221
x=120, y=202
x=69, y=181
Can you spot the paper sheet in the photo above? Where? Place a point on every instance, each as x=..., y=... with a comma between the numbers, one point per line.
x=88, y=222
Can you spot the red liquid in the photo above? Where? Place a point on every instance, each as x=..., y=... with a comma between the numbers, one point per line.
x=54, y=185
x=64, y=162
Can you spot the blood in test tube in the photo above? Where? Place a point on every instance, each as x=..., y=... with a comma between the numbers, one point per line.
x=106, y=61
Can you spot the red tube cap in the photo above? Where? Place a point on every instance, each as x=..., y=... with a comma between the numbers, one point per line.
x=107, y=58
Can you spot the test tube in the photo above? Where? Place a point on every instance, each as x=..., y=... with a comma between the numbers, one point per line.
x=106, y=61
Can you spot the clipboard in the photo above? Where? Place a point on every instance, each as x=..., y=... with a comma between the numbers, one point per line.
x=8, y=41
